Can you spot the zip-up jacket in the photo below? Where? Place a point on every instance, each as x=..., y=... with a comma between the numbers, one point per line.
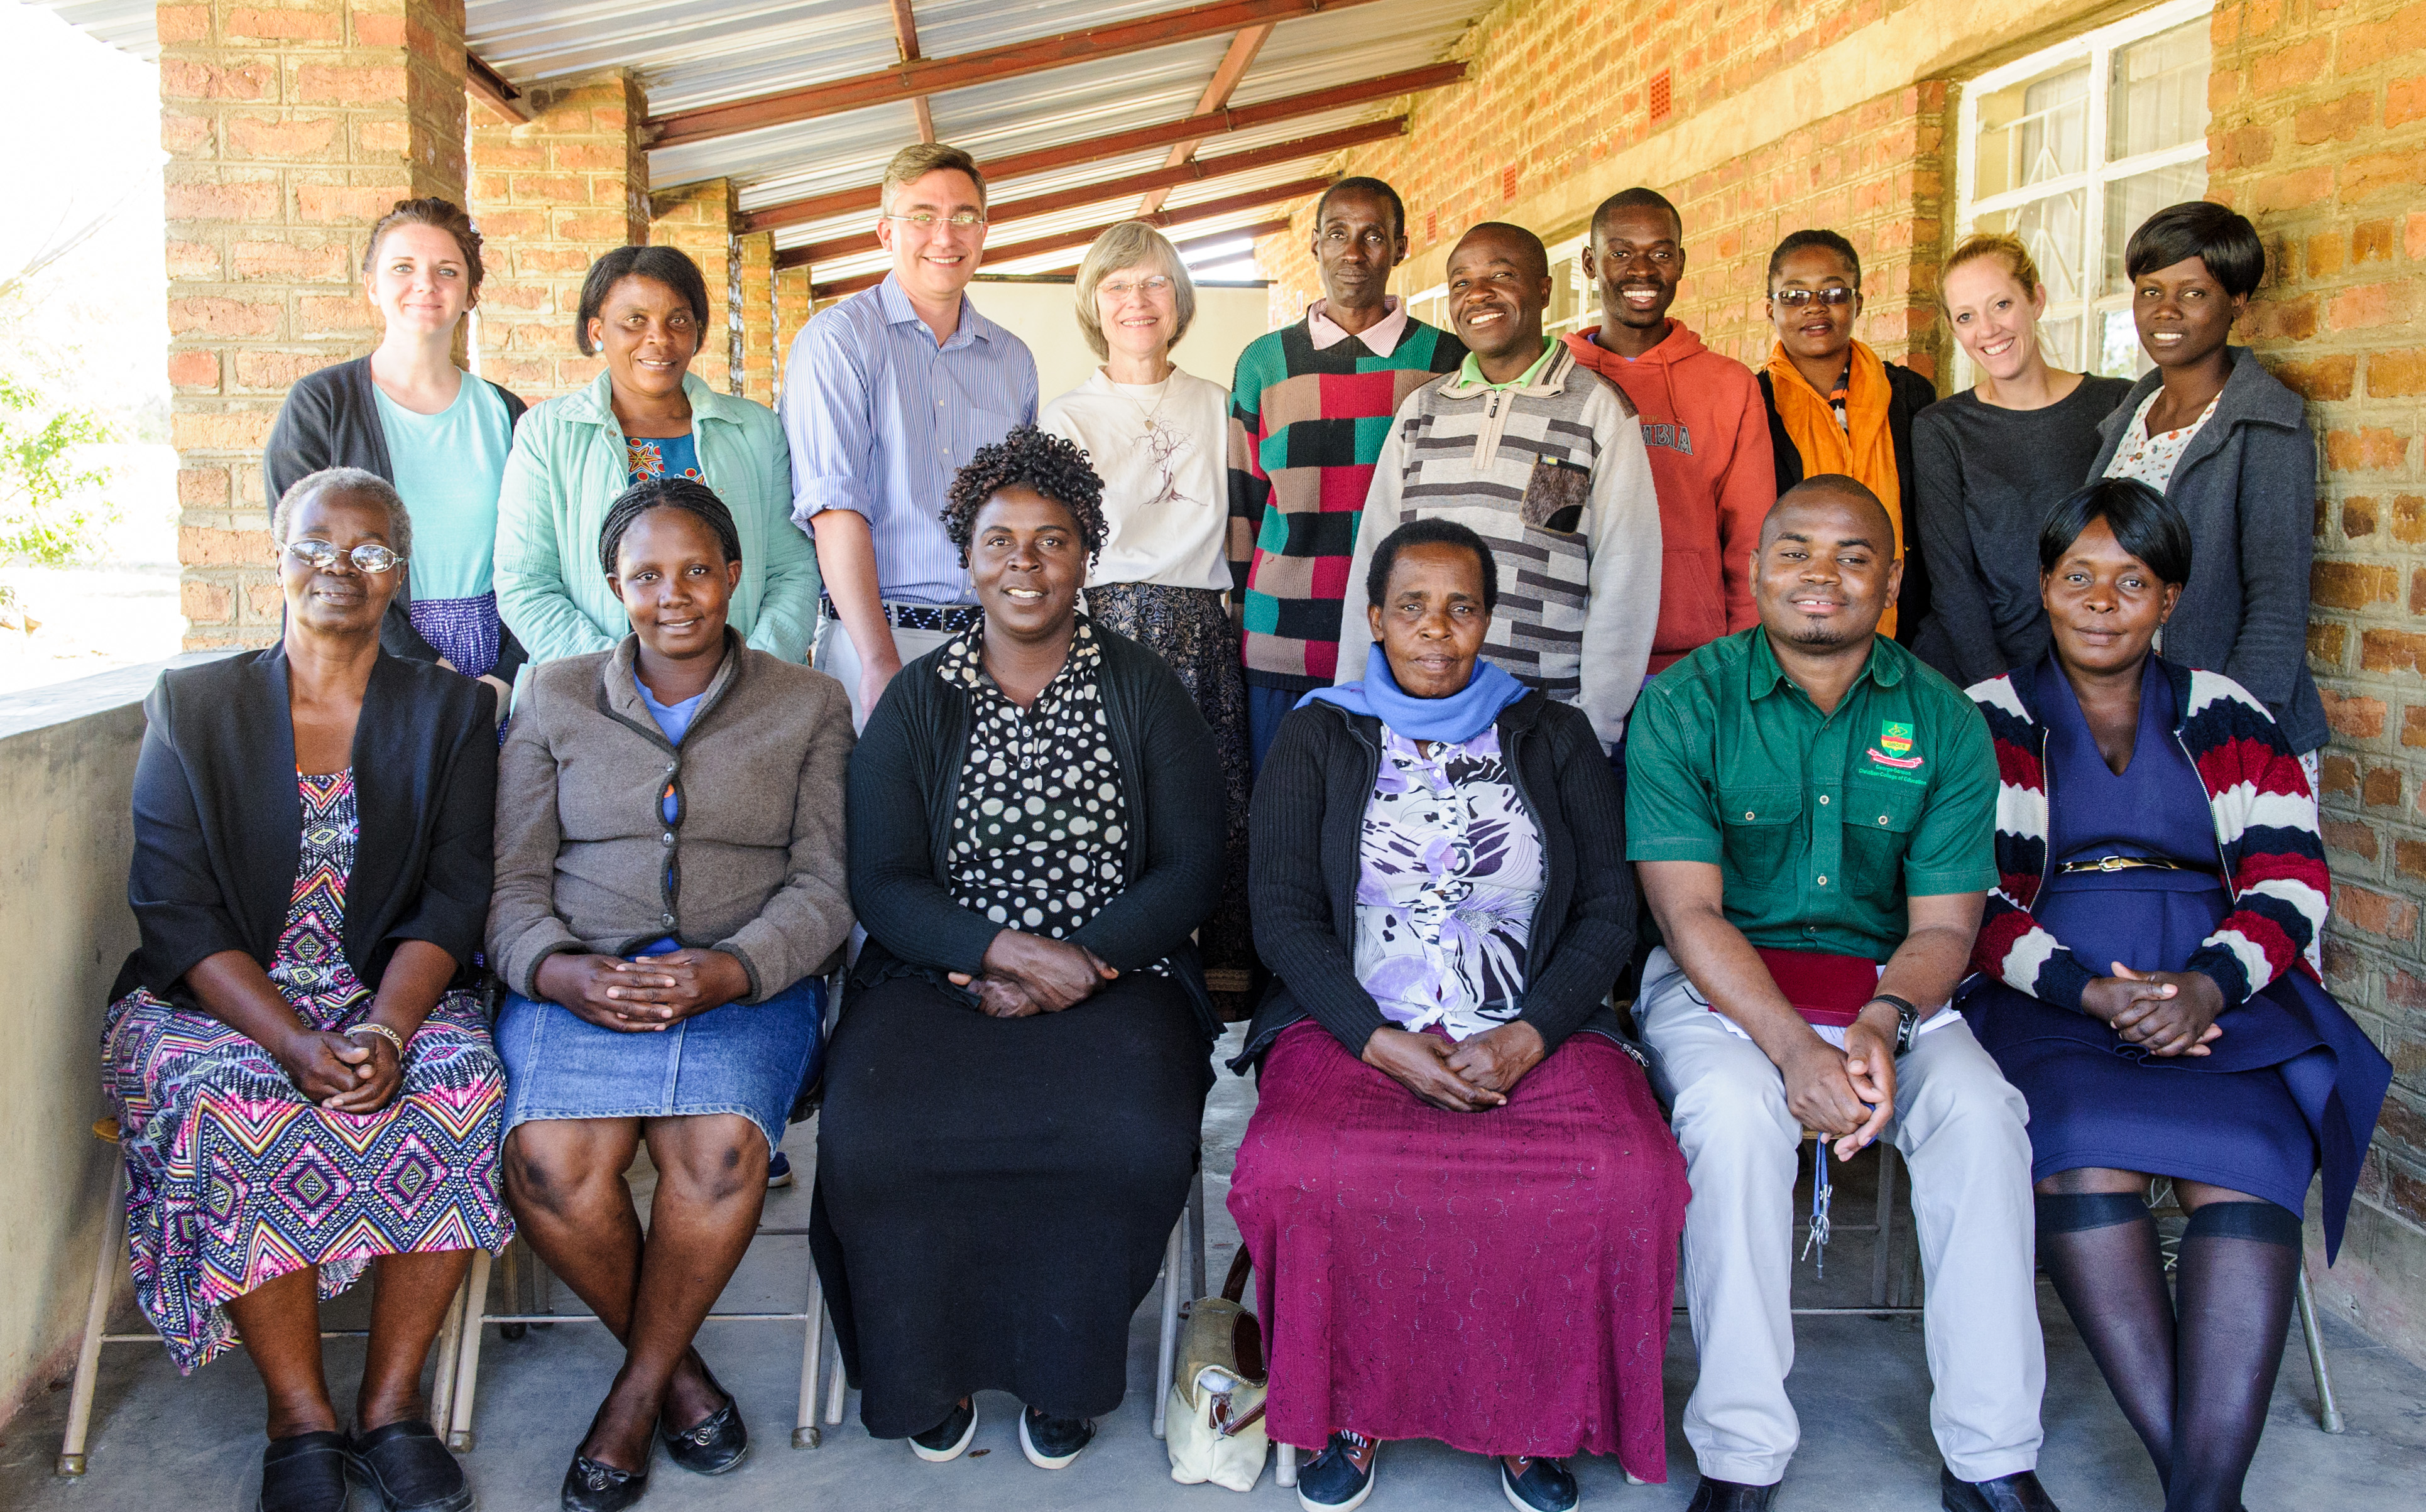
x=1306, y=853
x=1553, y=475
x=2272, y=856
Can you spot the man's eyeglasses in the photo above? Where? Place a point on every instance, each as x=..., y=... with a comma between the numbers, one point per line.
x=1834, y=299
x=370, y=556
x=1152, y=288
x=927, y=219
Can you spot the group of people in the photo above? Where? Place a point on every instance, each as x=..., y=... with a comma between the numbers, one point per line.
x=1558, y=749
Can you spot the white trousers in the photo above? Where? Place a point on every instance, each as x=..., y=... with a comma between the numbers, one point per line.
x=1960, y=1126
x=837, y=659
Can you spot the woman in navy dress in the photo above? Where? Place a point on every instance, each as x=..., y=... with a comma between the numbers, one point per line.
x=2149, y=982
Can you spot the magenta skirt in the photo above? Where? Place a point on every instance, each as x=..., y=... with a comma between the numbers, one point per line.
x=1499, y=1282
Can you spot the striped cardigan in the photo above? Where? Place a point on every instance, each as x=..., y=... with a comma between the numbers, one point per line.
x=2265, y=816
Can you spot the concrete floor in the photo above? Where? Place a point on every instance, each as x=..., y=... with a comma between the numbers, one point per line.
x=1860, y=1385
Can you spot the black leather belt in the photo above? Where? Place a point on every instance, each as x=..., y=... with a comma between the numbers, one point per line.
x=2132, y=863
x=947, y=618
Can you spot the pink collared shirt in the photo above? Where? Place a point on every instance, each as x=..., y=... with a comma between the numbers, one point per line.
x=1380, y=338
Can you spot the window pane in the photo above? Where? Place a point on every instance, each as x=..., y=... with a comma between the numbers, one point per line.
x=2052, y=229
x=2060, y=342
x=1566, y=280
x=2119, y=354
x=2159, y=93
x=2032, y=132
x=2132, y=200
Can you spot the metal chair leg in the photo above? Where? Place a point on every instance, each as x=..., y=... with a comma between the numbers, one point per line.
x=1174, y=1254
x=1883, y=1231
x=1196, y=1224
x=459, y=1437
x=1284, y=1465
x=442, y=1376
x=837, y=1380
x=805, y=1434
x=2329, y=1415
x=96, y=1322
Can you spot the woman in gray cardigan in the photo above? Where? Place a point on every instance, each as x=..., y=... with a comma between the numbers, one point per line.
x=2217, y=434
x=669, y=891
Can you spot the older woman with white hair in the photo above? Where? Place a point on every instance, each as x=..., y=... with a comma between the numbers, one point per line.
x=1156, y=438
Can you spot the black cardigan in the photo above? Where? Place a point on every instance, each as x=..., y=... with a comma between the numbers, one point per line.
x=218, y=822
x=905, y=780
x=1307, y=852
x=330, y=419
x=1908, y=395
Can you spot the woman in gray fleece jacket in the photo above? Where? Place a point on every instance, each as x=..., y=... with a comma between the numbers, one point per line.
x=670, y=887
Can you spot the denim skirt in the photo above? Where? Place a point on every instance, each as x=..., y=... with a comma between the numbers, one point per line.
x=750, y=1058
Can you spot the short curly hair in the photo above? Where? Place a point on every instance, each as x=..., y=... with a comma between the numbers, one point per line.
x=1031, y=459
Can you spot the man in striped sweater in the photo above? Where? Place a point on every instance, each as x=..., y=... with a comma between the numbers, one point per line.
x=1308, y=410
x=1544, y=458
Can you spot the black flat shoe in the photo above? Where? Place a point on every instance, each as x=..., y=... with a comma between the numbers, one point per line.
x=2007, y=1493
x=305, y=1473
x=1730, y=1496
x=591, y=1486
x=711, y=1446
x=408, y=1468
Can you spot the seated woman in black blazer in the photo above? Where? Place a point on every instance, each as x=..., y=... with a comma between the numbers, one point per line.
x=1014, y=1091
x=306, y=1090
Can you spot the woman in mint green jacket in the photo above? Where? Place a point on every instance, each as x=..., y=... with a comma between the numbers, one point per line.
x=643, y=310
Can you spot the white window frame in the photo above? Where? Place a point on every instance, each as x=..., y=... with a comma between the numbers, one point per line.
x=2095, y=48
x=1587, y=293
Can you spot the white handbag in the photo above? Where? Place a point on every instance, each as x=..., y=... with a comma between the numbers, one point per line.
x=1214, y=1427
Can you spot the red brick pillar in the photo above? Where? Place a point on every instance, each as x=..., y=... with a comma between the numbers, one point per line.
x=698, y=217
x=794, y=304
x=288, y=131
x=551, y=196
x=759, y=351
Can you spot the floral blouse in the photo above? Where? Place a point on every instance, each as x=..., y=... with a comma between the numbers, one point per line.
x=2152, y=459
x=1451, y=872
x=1039, y=831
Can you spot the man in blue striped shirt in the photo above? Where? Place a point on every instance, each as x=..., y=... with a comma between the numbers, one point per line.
x=885, y=397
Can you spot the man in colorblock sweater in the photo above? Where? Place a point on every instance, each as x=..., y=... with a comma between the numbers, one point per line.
x=1308, y=410
x=1543, y=459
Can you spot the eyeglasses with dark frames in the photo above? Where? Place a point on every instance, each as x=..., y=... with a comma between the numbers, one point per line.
x=1833, y=299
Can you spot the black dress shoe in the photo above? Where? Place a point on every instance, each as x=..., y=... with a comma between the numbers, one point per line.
x=713, y=1444
x=1714, y=1495
x=304, y=1473
x=409, y=1469
x=2006, y=1493
x=591, y=1486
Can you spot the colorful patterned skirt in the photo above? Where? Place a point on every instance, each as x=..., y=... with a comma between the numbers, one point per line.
x=233, y=1180
x=1190, y=629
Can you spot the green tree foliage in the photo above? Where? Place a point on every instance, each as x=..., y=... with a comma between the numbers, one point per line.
x=41, y=472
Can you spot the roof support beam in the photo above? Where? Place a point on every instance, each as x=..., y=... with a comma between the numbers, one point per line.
x=1122, y=144
x=935, y=75
x=1068, y=240
x=489, y=87
x=1160, y=178
x=1226, y=75
x=905, y=35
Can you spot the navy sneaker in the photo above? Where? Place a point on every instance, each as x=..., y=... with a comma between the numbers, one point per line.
x=779, y=1170
x=949, y=1439
x=1538, y=1486
x=1340, y=1478
x=1051, y=1443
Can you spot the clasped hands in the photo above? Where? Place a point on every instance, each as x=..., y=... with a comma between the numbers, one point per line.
x=2165, y=1013
x=1848, y=1095
x=1472, y=1075
x=341, y=1073
x=1026, y=974
x=646, y=995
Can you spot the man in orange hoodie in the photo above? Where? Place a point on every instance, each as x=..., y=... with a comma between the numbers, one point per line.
x=1702, y=424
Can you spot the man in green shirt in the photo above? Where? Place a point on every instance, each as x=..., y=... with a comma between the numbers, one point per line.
x=1812, y=812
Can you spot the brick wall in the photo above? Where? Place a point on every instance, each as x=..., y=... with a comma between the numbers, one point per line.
x=288, y=131
x=2318, y=135
x=698, y=217
x=758, y=349
x=551, y=196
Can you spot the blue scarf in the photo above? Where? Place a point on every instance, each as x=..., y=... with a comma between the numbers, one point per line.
x=1455, y=719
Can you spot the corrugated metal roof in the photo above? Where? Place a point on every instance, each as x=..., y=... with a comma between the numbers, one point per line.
x=703, y=53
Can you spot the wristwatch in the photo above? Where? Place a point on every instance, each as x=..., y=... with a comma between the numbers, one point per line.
x=1907, y=1020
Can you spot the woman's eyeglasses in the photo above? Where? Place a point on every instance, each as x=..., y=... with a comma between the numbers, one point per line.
x=1152, y=288
x=370, y=556
x=1836, y=299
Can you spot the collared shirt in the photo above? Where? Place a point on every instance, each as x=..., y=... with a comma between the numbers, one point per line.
x=1381, y=336
x=1821, y=825
x=1469, y=373
x=880, y=418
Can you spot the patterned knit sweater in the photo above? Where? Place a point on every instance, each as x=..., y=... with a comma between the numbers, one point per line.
x=1553, y=475
x=2266, y=836
x=1305, y=429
